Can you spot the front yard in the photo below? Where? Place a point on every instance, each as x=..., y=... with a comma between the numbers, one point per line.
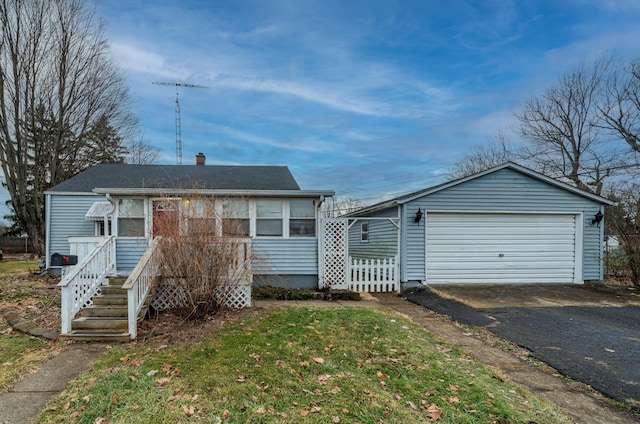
x=289, y=364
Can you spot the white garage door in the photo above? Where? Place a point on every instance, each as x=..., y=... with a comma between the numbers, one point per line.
x=500, y=248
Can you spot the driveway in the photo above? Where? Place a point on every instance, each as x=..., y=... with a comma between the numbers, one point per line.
x=589, y=334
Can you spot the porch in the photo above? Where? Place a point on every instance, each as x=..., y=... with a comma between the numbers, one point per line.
x=100, y=303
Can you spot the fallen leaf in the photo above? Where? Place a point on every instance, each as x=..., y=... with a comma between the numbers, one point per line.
x=335, y=419
x=189, y=410
x=86, y=399
x=454, y=399
x=304, y=413
x=163, y=380
x=124, y=358
x=261, y=410
x=434, y=412
x=315, y=409
x=152, y=373
x=166, y=368
x=241, y=379
x=382, y=375
x=412, y=405
x=318, y=360
x=100, y=420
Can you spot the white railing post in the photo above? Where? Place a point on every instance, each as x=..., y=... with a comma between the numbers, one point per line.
x=65, y=309
x=132, y=313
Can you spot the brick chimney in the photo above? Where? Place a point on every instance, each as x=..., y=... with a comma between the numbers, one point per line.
x=200, y=158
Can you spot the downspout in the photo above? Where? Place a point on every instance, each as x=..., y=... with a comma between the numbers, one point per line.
x=106, y=217
x=47, y=249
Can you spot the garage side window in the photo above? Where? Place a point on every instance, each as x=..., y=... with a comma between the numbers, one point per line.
x=364, y=232
x=302, y=218
x=131, y=217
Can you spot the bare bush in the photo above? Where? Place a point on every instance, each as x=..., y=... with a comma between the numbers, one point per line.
x=202, y=257
x=624, y=220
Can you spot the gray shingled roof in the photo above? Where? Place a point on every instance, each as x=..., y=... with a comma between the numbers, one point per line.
x=180, y=177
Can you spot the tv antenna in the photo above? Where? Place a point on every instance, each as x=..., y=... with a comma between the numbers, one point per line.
x=177, y=85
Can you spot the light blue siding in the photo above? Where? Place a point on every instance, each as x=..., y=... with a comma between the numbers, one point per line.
x=129, y=251
x=503, y=190
x=66, y=218
x=383, y=236
x=292, y=256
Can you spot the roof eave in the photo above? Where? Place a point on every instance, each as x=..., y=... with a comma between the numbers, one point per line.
x=212, y=192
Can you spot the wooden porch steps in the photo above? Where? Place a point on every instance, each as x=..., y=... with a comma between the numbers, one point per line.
x=106, y=319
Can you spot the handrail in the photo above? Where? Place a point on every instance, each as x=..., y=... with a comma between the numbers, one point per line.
x=139, y=284
x=81, y=284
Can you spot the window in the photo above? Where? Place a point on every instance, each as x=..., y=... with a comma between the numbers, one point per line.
x=201, y=217
x=99, y=228
x=364, y=232
x=302, y=218
x=131, y=217
x=269, y=218
x=235, y=218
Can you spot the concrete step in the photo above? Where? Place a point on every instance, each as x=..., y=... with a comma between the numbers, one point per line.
x=99, y=323
x=91, y=336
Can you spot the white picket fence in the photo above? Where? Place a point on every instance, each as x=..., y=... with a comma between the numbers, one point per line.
x=374, y=275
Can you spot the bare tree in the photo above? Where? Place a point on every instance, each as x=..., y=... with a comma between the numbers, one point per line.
x=496, y=152
x=141, y=153
x=63, y=102
x=624, y=220
x=560, y=127
x=620, y=111
x=336, y=207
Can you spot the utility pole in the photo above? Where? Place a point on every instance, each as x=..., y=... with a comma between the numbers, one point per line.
x=178, y=115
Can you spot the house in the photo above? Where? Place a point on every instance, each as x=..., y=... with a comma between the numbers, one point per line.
x=117, y=208
x=507, y=224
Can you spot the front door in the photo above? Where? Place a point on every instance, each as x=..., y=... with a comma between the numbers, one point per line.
x=165, y=217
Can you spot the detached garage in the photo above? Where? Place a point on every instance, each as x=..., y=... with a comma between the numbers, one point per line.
x=508, y=224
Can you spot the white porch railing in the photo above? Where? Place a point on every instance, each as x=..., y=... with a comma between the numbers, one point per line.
x=139, y=284
x=84, y=281
x=374, y=275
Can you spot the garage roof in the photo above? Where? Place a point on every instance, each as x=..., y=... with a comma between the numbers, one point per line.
x=508, y=165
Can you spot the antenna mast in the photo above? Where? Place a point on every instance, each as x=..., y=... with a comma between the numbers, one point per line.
x=178, y=115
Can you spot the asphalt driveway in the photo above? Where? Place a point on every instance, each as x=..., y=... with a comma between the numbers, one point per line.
x=591, y=335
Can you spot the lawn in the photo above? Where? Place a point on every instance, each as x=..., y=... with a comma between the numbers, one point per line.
x=296, y=364
x=34, y=297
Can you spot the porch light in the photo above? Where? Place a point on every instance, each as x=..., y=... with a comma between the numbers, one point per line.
x=418, y=217
x=597, y=219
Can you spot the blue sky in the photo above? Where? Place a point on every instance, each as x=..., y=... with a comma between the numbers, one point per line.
x=367, y=98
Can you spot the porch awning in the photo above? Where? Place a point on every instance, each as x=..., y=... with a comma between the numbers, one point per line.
x=98, y=211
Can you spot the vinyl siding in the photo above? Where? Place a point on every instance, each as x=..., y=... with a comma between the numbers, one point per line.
x=504, y=190
x=129, y=250
x=293, y=256
x=66, y=217
x=383, y=236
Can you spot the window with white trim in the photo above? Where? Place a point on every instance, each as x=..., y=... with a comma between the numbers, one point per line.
x=131, y=217
x=364, y=232
x=235, y=217
x=201, y=216
x=269, y=217
x=302, y=218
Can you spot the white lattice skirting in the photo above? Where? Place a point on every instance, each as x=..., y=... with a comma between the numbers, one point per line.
x=169, y=295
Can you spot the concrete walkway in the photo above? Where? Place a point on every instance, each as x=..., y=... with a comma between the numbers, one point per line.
x=29, y=396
